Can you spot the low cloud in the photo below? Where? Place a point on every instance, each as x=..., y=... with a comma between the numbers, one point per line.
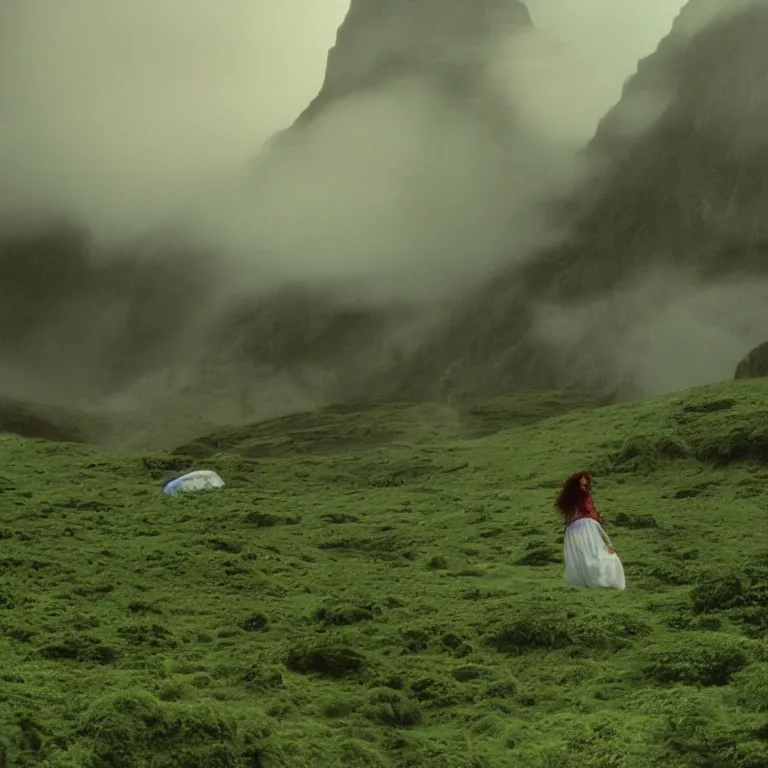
x=665, y=331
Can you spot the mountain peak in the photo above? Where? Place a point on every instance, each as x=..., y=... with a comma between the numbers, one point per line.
x=446, y=40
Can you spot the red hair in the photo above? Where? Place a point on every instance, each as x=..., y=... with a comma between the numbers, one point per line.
x=572, y=496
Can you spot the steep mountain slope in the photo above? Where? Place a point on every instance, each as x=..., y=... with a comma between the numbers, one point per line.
x=683, y=163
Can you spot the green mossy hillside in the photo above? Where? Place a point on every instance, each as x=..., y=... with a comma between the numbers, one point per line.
x=371, y=603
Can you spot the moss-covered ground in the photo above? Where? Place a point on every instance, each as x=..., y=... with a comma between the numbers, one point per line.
x=377, y=589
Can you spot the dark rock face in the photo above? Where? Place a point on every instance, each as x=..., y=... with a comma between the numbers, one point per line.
x=695, y=176
x=686, y=189
x=755, y=364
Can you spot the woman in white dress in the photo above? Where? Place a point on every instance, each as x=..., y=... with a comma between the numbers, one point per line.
x=590, y=559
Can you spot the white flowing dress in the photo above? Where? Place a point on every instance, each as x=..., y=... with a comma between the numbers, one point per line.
x=588, y=563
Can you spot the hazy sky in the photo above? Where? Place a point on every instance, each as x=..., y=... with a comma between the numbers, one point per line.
x=602, y=41
x=225, y=74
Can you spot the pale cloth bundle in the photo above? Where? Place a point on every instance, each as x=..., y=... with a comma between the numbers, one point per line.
x=199, y=480
x=589, y=561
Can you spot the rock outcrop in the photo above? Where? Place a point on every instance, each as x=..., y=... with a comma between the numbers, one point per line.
x=753, y=365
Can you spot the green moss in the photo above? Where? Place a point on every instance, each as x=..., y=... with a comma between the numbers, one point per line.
x=325, y=660
x=751, y=685
x=697, y=658
x=354, y=600
x=390, y=707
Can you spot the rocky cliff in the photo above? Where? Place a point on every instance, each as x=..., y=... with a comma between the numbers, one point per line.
x=680, y=189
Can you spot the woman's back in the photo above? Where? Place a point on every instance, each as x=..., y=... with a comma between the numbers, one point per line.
x=590, y=559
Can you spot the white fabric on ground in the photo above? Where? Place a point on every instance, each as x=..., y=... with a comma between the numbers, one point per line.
x=199, y=480
x=588, y=563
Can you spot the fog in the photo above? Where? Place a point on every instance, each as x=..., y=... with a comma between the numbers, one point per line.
x=118, y=113
x=600, y=43
x=137, y=117
x=665, y=330
x=132, y=116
